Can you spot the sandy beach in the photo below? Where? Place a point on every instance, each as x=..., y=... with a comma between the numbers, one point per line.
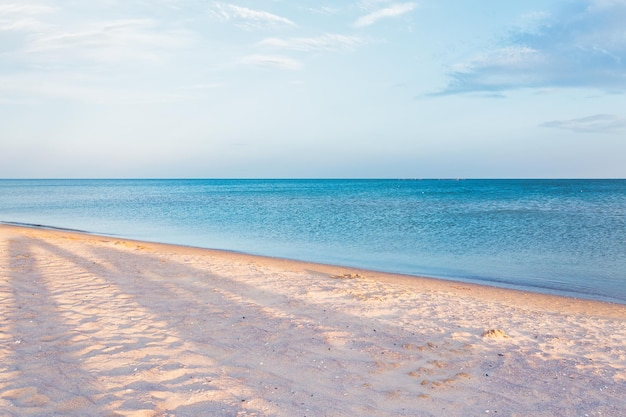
x=101, y=326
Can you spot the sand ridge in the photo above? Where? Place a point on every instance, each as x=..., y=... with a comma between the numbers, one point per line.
x=95, y=325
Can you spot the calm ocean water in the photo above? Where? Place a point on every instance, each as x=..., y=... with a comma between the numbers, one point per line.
x=555, y=236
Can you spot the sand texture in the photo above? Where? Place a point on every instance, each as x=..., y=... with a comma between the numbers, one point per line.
x=100, y=326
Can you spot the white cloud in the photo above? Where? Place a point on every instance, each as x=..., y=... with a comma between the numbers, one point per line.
x=272, y=61
x=599, y=123
x=82, y=59
x=511, y=66
x=22, y=17
x=583, y=45
x=112, y=41
x=327, y=42
x=45, y=44
x=324, y=10
x=19, y=8
x=392, y=11
x=250, y=19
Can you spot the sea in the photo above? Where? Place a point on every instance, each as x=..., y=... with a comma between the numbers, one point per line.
x=556, y=236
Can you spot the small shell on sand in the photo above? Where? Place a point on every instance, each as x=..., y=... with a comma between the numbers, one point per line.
x=495, y=334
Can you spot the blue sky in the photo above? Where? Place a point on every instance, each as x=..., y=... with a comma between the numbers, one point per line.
x=271, y=88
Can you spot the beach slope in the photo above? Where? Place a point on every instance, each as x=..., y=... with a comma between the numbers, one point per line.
x=101, y=326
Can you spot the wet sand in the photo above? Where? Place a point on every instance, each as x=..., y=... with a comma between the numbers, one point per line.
x=100, y=326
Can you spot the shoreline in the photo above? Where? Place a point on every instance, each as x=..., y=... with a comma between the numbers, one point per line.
x=102, y=325
x=525, y=292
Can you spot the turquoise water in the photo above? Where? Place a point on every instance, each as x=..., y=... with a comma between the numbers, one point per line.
x=555, y=236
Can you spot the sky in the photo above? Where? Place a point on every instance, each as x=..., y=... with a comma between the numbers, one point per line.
x=312, y=89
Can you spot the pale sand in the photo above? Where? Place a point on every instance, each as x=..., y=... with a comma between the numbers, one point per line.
x=99, y=326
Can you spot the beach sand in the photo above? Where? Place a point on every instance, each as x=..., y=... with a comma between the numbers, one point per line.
x=101, y=326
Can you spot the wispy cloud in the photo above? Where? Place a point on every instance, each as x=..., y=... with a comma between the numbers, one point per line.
x=22, y=17
x=271, y=61
x=583, y=45
x=326, y=42
x=324, y=10
x=599, y=123
x=44, y=38
x=249, y=19
x=51, y=56
x=111, y=41
x=393, y=10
